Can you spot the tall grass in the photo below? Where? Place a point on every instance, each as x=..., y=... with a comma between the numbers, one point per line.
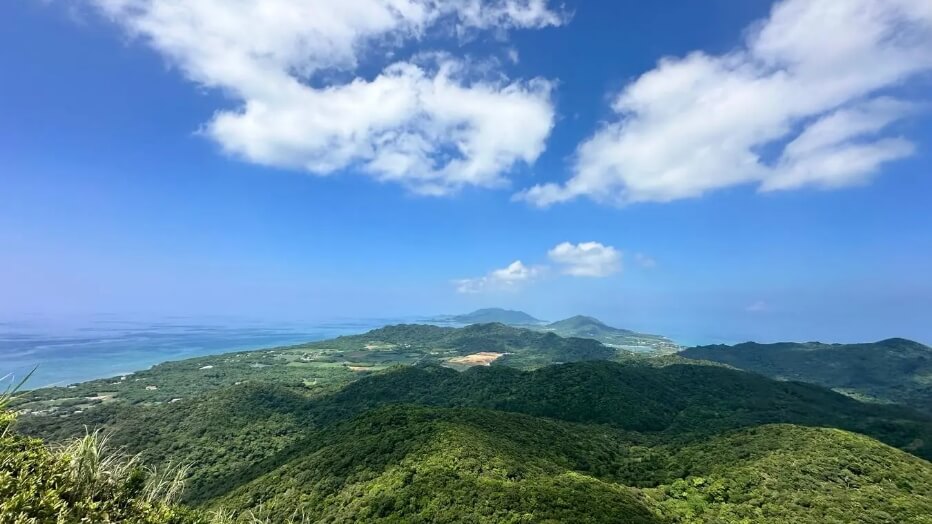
x=165, y=484
x=6, y=417
x=93, y=469
x=259, y=516
x=97, y=471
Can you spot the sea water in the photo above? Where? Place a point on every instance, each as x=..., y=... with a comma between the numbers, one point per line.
x=68, y=352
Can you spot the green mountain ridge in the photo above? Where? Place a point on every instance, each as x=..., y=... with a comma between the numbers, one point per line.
x=589, y=327
x=494, y=314
x=893, y=370
x=228, y=432
x=583, y=322
x=579, y=326
x=409, y=464
x=390, y=426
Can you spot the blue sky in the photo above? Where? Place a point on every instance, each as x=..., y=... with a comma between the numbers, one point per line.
x=712, y=171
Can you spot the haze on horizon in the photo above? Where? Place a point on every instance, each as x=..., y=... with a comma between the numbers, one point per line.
x=724, y=171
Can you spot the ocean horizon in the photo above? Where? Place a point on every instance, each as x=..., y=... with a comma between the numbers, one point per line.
x=64, y=353
x=69, y=351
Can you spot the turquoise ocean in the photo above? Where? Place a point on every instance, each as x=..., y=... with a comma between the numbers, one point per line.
x=68, y=352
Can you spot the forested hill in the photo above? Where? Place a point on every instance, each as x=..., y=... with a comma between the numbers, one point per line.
x=589, y=327
x=420, y=465
x=675, y=400
x=894, y=370
x=582, y=323
x=511, y=346
x=341, y=431
x=237, y=434
x=579, y=326
x=502, y=316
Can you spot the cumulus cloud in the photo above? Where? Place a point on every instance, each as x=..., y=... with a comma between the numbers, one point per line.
x=432, y=124
x=508, y=278
x=586, y=259
x=807, y=84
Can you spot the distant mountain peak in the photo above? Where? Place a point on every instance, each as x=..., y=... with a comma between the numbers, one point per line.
x=489, y=310
x=897, y=341
x=582, y=319
x=500, y=315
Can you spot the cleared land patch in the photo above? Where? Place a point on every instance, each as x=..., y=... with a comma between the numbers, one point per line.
x=482, y=358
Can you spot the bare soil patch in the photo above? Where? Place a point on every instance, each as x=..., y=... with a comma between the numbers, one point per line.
x=483, y=358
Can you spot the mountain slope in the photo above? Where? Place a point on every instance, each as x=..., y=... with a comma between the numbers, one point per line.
x=222, y=431
x=670, y=402
x=581, y=442
x=502, y=316
x=220, y=434
x=894, y=370
x=582, y=323
x=589, y=327
x=405, y=464
x=785, y=473
x=410, y=464
x=233, y=435
x=84, y=481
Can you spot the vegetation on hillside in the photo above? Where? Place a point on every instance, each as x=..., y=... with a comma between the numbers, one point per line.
x=521, y=348
x=497, y=315
x=409, y=464
x=578, y=326
x=237, y=433
x=83, y=481
x=652, y=440
x=220, y=434
x=792, y=474
x=588, y=327
x=317, y=368
x=406, y=464
x=894, y=370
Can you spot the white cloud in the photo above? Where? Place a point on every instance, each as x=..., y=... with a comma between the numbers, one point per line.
x=828, y=153
x=809, y=75
x=508, y=278
x=586, y=259
x=430, y=124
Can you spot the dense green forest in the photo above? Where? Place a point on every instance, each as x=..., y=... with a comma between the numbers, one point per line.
x=894, y=370
x=597, y=435
x=407, y=464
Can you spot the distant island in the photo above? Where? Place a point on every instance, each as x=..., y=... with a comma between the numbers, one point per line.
x=589, y=327
x=493, y=314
